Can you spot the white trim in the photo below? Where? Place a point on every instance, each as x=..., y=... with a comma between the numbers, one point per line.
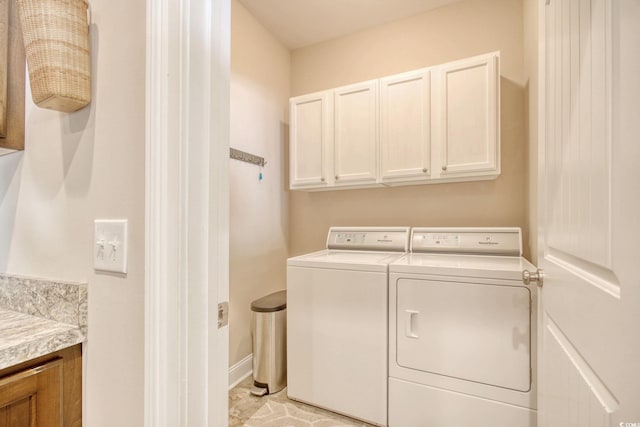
x=541, y=144
x=240, y=371
x=218, y=256
x=542, y=128
x=186, y=197
x=161, y=369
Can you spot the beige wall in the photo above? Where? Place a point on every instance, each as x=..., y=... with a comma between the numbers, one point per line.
x=76, y=168
x=531, y=118
x=259, y=209
x=453, y=32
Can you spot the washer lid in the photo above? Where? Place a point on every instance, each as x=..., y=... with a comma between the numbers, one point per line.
x=480, y=266
x=345, y=260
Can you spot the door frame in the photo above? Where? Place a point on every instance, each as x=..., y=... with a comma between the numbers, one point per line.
x=186, y=198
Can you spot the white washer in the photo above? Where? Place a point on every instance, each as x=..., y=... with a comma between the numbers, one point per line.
x=462, y=330
x=337, y=302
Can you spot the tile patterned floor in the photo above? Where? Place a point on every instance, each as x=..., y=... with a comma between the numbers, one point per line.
x=276, y=410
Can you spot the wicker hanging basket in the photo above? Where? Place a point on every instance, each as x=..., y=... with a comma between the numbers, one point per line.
x=56, y=44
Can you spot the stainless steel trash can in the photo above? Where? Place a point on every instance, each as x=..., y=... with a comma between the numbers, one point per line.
x=269, y=324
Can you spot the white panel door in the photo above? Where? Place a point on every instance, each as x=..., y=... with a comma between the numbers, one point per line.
x=356, y=133
x=469, y=121
x=405, y=127
x=311, y=138
x=589, y=201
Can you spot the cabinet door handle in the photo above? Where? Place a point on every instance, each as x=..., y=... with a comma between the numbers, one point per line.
x=337, y=177
x=444, y=168
x=322, y=179
x=425, y=170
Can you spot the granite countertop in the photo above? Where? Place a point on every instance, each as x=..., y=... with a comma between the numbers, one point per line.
x=38, y=317
x=24, y=337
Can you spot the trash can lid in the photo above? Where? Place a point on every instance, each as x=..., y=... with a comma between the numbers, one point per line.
x=273, y=302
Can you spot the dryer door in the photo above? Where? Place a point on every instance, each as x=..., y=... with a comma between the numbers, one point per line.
x=474, y=332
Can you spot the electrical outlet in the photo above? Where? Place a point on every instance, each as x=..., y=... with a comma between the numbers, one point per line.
x=110, y=245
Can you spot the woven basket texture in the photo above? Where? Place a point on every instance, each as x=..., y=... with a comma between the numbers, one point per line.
x=56, y=42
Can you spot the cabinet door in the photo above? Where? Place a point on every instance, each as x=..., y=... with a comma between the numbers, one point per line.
x=33, y=397
x=355, y=141
x=469, y=122
x=310, y=140
x=405, y=127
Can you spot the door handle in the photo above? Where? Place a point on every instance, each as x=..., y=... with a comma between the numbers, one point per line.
x=536, y=277
x=409, y=316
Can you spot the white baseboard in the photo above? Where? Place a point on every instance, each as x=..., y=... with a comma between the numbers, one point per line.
x=240, y=371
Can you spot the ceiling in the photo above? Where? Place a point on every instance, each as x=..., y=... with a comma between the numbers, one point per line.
x=298, y=23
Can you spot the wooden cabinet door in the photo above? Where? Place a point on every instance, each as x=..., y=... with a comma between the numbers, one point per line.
x=355, y=159
x=33, y=397
x=469, y=123
x=405, y=127
x=310, y=140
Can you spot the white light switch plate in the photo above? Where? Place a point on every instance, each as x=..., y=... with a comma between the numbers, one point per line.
x=110, y=245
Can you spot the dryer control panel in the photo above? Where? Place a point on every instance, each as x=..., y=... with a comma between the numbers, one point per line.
x=390, y=239
x=481, y=241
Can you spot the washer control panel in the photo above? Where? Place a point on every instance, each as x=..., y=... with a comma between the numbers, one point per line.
x=488, y=241
x=392, y=239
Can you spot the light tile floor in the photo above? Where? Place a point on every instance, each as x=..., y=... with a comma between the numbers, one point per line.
x=276, y=410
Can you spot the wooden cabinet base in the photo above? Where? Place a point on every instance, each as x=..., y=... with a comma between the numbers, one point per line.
x=44, y=392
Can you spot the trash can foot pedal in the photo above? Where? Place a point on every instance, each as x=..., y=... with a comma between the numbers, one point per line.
x=258, y=391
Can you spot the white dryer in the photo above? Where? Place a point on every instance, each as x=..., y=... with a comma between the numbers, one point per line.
x=337, y=302
x=462, y=330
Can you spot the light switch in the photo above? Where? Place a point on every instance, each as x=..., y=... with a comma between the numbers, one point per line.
x=110, y=245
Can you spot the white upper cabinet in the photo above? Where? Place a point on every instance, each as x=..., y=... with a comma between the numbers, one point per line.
x=405, y=127
x=433, y=125
x=311, y=139
x=468, y=128
x=355, y=157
